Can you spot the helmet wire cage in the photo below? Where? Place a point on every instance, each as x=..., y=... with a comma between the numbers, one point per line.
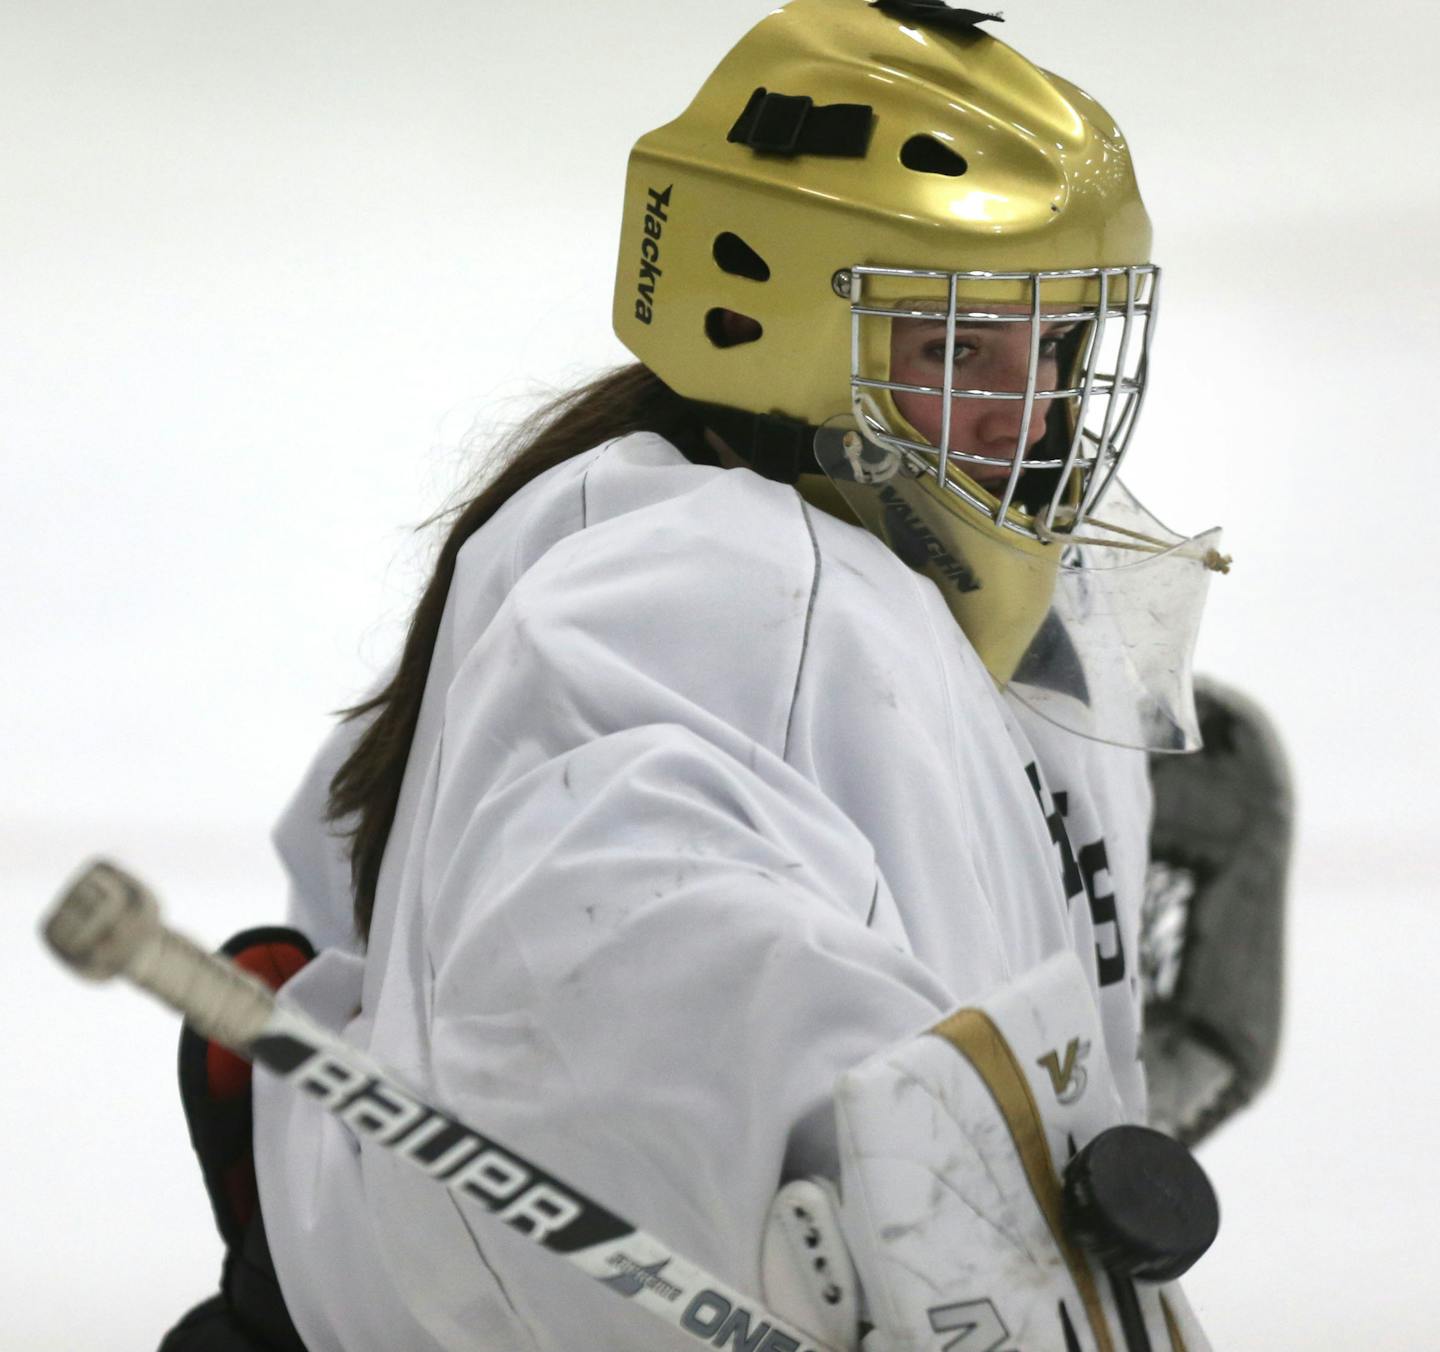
x=1106, y=402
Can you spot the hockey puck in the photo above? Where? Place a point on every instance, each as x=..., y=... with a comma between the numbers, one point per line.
x=1140, y=1202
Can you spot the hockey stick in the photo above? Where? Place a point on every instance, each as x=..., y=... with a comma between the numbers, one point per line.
x=106, y=923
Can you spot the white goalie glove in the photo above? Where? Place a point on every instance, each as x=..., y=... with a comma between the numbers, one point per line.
x=986, y=1204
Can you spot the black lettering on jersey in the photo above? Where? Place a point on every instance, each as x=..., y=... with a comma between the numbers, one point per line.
x=1103, y=916
x=1069, y=871
x=1082, y=874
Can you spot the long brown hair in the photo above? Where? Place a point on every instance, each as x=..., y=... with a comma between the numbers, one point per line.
x=367, y=786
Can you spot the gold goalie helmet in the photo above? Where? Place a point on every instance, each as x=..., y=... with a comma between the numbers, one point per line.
x=899, y=264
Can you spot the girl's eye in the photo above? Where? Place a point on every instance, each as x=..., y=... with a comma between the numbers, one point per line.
x=936, y=350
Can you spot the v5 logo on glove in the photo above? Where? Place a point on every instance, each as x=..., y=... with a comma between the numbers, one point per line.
x=1067, y=1077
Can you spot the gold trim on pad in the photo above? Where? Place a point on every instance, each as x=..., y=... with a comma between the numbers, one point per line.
x=980, y=1042
x=1177, y=1341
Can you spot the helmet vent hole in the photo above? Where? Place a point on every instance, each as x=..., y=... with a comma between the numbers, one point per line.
x=726, y=328
x=926, y=155
x=739, y=259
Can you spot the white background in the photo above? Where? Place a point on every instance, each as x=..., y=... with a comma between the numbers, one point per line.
x=270, y=272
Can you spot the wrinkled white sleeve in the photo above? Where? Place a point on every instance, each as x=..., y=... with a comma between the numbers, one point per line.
x=650, y=937
x=651, y=964
x=618, y=933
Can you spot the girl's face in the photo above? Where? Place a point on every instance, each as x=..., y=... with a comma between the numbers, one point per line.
x=987, y=357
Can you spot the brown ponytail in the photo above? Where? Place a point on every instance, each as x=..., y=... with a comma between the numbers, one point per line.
x=367, y=785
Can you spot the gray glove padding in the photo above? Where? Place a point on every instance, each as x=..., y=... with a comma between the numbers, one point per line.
x=1213, y=926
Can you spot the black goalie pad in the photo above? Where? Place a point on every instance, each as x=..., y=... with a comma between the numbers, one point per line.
x=1213, y=923
x=249, y=1313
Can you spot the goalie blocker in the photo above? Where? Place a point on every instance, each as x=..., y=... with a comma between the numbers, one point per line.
x=958, y=1217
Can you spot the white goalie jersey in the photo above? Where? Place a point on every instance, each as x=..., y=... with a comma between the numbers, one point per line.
x=710, y=801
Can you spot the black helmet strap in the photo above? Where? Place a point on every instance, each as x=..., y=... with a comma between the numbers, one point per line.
x=794, y=124
x=773, y=445
x=936, y=13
